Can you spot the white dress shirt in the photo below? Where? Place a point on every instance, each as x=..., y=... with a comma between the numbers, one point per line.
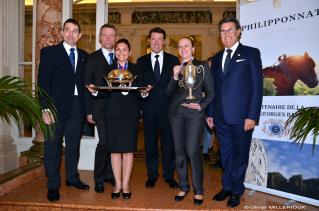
x=160, y=59
x=67, y=48
x=106, y=54
x=233, y=48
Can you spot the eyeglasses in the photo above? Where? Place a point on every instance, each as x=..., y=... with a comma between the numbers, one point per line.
x=228, y=31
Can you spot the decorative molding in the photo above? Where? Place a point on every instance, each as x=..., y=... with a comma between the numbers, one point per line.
x=89, y=18
x=229, y=14
x=151, y=17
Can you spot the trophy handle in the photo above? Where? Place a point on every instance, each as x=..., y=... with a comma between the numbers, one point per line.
x=200, y=69
x=181, y=81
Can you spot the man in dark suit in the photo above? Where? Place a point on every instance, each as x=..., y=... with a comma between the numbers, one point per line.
x=235, y=110
x=60, y=75
x=97, y=64
x=156, y=68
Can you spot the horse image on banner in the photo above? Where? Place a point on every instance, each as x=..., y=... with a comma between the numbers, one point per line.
x=289, y=71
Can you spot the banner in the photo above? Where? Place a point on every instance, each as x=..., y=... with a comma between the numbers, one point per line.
x=286, y=33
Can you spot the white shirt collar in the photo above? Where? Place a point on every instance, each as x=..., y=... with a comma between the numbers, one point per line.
x=233, y=48
x=68, y=47
x=106, y=52
x=161, y=53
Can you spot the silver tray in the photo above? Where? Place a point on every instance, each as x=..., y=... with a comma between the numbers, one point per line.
x=108, y=88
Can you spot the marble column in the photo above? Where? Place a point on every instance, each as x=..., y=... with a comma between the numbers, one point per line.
x=47, y=32
x=9, y=57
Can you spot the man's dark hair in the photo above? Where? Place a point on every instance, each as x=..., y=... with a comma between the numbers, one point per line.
x=229, y=20
x=157, y=30
x=108, y=25
x=73, y=21
x=125, y=41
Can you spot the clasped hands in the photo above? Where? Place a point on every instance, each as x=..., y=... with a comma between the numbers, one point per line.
x=47, y=117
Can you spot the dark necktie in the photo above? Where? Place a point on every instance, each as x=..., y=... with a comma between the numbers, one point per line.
x=72, y=58
x=157, y=68
x=227, y=60
x=111, y=58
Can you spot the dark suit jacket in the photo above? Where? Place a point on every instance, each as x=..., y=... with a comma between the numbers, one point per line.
x=57, y=78
x=157, y=95
x=118, y=105
x=96, y=67
x=178, y=94
x=238, y=93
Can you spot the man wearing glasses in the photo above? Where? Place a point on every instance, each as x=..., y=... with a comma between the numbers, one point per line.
x=60, y=75
x=235, y=110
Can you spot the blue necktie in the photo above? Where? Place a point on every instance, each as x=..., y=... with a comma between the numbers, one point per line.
x=111, y=58
x=157, y=71
x=72, y=58
x=227, y=60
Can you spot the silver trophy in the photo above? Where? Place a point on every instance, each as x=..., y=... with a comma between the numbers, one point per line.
x=190, y=80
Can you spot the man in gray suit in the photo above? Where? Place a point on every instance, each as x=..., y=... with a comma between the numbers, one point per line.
x=97, y=64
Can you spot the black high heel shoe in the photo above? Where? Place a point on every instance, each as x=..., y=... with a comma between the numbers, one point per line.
x=198, y=201
x=126, y=195
x=180, y=198
x=116, y=195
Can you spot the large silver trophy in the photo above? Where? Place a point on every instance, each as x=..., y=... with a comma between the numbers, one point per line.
x=190, y=80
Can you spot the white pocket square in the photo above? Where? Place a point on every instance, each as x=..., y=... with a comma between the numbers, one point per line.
x=240, y=60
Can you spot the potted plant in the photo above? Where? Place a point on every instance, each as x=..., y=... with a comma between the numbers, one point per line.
x=302, y=123
x=19, y=101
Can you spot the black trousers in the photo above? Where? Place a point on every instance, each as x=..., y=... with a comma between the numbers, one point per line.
x=157, y=123
x=102, y=163
x=71, y=129
x=187, y=127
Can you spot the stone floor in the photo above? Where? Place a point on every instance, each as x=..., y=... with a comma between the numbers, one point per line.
x=32, y=196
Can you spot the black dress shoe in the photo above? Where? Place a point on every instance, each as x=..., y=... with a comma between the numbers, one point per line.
x=198, y=201
x=111, y=181
x=180, y=198
x=222, y=195
x=116, y=195
x=234, y=200
x=79, y=185
x=126, y=195
x=99, y=187
x=172, y=183
x=53, y=195
x=150, y=183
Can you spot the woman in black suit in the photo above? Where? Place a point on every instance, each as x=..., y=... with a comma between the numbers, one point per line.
x=122, y=113
x=187, y=121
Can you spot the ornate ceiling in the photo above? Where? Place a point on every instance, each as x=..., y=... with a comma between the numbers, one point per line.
x=29, y=2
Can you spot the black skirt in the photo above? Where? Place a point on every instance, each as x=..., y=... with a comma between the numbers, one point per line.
x=121, y=134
